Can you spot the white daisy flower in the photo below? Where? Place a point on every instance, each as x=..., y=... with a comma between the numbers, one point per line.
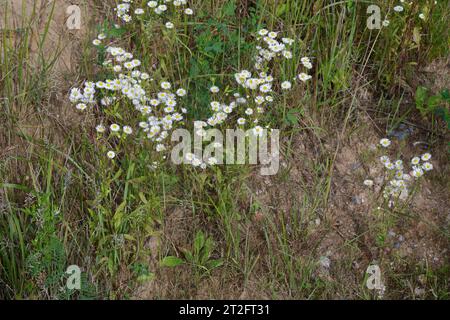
x=287, y=41
x=399, y=174
x=127, y=130
x=287, y=54
x=389, y=166
x=426, y=157
x=415, y=161
x=139, y=11
x=304, y=77
x=263, y=32
x=171, y=103
x=427, y=166
x=417, y=173
x=181, y=92
x=308, y=65
x=111, y=154
x=115, y=127
x=155, y=102
x=162, y=7
x=385, y=142
x=160, y=147
x=286, y=85
x=249, y=111
x=399, y=164
x=241, y=121
x=166, y=85
x=169, y=109
x=100, y=128
x=143, y=125
x=273, y=35
x=214, y=89
x=265, y=88
x=81, y=106
x=228, y=109
x=215, y=106
x=260, y=100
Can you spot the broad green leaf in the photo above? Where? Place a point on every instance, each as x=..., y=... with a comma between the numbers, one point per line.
x=199, y=241
x=171, y=262
x=433, y=102
x=281, y=9
x=421, y=96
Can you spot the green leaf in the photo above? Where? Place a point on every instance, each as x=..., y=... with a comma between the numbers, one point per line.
x=212, y=264
x=117, y=175
x=171, y=262
x=444, y=114
x=116, y=32
x=15, y=186
x=188, y=255
x=445, y=94
x=118, y=215
x=281, y=9
x=433, y=102
x=215, y=47
x=146, y=277
x=421, y=96
x=199, y=241
x=229, y=9
x=207, y=250
x=293, y=116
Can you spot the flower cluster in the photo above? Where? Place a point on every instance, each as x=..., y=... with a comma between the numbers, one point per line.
x=255, y=90
x=156, y=114
x=400, y=178
x=125, y=13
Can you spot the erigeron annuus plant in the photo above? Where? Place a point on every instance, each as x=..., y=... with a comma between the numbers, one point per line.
x=157, y=113
x=401, y=176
